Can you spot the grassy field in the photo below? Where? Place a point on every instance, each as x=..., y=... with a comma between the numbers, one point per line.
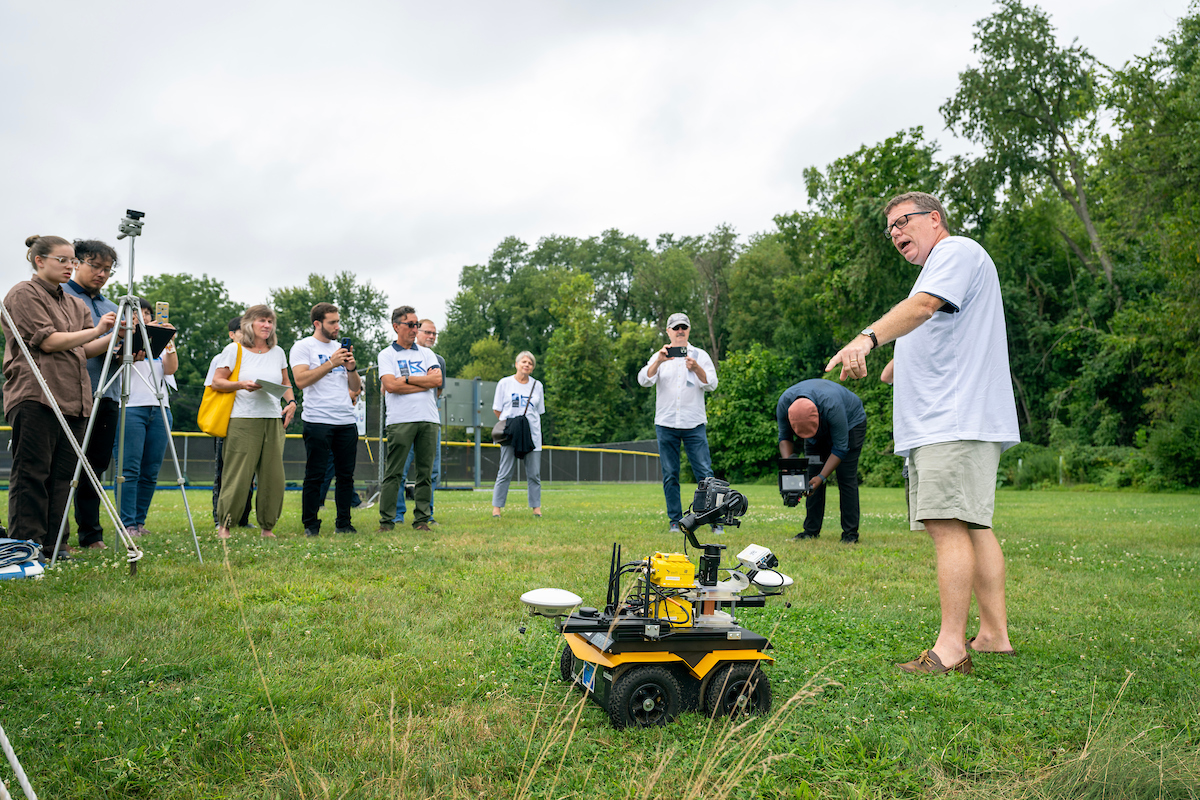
x=397, y=665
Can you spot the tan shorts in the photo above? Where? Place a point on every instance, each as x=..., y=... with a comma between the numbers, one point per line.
x=953, y=480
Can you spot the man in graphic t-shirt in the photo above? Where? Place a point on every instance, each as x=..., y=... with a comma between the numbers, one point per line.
x=327, y=373
x=411, y=377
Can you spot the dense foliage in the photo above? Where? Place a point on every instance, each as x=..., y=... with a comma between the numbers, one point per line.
x=1096, y=237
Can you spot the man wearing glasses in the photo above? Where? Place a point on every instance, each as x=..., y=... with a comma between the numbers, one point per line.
x=96, y=266
x=953, y=414
x=426, y=337
x=411, y=377
x=681, y=375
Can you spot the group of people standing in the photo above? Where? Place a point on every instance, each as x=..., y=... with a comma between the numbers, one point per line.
x=954, y=414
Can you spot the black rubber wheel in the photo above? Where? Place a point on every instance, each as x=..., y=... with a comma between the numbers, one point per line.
x=644, y=697
x=737, y=690
x=566, y=664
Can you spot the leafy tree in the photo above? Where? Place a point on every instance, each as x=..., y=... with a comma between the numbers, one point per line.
x=664, y=285
x=742, y=434
x=757, y=305
x=490, y=361
x=634, y=415
x=845, y=272
x=613, y=259
x=714, y=261
x=581, y=378
x=362, y=308
x=1034, y=105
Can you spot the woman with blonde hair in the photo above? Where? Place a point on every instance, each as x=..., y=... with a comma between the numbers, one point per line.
x=254, y=443
x=520, y=395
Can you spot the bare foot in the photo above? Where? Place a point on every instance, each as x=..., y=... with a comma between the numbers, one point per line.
x=222, y=533
x=268, y=535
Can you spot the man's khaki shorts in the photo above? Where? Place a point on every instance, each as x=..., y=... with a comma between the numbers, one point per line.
x=953, y=480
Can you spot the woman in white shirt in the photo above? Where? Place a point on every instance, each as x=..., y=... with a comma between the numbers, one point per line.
x=520, y=395
x=254, y=443
x=145, y=435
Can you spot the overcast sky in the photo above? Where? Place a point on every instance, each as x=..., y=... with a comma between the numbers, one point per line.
x=402, y=140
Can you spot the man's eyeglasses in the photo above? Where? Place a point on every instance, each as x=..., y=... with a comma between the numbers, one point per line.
x=102, y=270
x=431, y=334
x=901, y=221
x=74, y=262
x=680, y=328
x=408, y=324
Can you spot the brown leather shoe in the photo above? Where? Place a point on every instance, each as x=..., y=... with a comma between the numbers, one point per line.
x=97, y=546
x=972, y=648
x=422, y=527
x=929, y=664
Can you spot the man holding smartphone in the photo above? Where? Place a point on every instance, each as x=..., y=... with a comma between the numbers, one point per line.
x=325, y=370
x=681, y=374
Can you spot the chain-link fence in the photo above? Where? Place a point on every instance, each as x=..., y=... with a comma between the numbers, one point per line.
x=564, y=464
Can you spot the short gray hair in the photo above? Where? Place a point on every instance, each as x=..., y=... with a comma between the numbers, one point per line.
x=923, y=201
x=523, y=354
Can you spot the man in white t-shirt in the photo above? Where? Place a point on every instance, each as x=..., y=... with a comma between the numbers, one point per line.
x=953, y=414
x=411, y=377
x=327, y=373
x=681, y=374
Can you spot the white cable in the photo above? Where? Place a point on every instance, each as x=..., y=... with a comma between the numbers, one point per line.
x=16, y=767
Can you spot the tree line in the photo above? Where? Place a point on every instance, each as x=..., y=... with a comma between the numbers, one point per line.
x=1086, y=194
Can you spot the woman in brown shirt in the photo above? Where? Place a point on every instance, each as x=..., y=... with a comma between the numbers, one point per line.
x=58, y=331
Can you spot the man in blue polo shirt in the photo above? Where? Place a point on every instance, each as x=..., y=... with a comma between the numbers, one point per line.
x=829, y=418
x=97, y=262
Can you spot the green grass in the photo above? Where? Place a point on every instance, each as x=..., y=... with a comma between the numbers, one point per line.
x=394, y=665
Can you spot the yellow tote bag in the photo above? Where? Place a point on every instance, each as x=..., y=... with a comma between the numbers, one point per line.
x=216, y=407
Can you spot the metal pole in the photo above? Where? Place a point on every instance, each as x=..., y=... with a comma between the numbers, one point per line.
x=476, y=421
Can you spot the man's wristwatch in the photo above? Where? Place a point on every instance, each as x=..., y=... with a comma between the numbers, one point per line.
x=874, y=338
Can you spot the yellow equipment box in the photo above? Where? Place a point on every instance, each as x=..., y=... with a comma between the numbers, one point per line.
x=672, y=570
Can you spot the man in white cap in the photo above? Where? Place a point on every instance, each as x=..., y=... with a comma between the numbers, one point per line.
x=830, y=420
x=681, y=374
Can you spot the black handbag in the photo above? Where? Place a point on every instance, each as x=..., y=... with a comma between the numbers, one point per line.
x=500, y=434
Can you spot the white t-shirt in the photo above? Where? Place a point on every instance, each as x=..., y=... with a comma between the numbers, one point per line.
x=139, y=393
x=680, y=400
x=268, y=366
x=952, y=377
x=512, y=398
x=328, y=400
x=415, y=407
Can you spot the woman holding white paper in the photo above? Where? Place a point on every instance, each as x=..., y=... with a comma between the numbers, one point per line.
x=255, y=439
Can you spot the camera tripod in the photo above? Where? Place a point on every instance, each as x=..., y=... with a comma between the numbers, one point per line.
x=129, y=318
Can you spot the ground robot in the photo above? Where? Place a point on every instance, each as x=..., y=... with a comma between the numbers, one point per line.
x=672, y=642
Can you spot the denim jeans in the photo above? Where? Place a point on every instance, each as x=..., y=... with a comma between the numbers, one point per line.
x=145, y=443
x=401, y=504
x=508, y=468
x=695, y=441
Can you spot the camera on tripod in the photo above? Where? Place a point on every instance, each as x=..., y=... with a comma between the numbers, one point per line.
x=793, y=480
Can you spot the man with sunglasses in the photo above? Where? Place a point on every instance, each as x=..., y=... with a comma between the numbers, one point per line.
x=953, y=414
x=97, y=261
x=681, y=374
x=411, y=377
x=426, y=337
